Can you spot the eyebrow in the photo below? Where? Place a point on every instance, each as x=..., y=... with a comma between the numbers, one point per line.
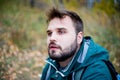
x=56, y=29
x=48, y=31
x=61, y=28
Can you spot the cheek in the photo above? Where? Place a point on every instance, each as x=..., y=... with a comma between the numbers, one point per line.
x=66, y=41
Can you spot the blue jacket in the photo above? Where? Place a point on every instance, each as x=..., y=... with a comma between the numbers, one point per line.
x=87, y=64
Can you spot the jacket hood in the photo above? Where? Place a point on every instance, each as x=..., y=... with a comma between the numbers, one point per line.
x=88, y=54
x=94, y=53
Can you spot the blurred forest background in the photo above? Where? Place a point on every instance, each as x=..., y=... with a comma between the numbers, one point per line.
x=23, y=32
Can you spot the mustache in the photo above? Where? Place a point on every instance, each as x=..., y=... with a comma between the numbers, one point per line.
x=53, y=45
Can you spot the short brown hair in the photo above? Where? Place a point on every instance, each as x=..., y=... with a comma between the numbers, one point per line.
x=53, y=13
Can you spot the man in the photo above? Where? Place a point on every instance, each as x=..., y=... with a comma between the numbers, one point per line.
x=71, y=55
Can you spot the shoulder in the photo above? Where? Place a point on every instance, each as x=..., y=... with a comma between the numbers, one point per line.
x=97, y=71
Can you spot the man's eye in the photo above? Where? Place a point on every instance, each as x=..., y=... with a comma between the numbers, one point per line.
x=61, y=32
x=49, y=33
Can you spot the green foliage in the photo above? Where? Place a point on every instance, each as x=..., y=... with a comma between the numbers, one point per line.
x=71, y=4
x=23, y=23
x=117, y=6
x=106, y=6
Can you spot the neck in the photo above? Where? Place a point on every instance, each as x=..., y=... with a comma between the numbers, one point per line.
x=66, y=62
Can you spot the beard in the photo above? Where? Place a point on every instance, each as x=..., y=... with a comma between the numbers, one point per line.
x=62, y=55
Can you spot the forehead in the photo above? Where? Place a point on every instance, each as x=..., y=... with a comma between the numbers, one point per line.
x=57, y=23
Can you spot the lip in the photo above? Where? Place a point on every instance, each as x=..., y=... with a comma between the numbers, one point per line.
x=53, y=47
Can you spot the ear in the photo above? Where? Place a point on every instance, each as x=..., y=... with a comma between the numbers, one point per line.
x=79, y=37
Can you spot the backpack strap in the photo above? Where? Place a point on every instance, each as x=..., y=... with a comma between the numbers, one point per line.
x=114, y=74
x=111, y=69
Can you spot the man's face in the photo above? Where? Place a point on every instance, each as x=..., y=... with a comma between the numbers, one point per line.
x=61, y=39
